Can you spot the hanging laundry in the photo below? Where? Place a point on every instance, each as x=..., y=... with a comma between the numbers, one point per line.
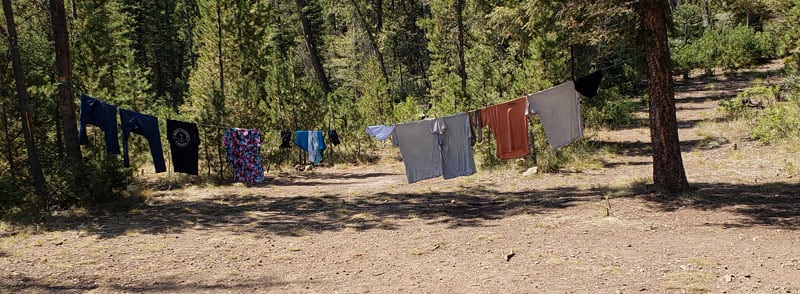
x=560, y=112
x=147, y=126
x=95, y=112
x=244, y=154
x=588, y=84
x=457, y=158
x=333, y=137
x=510, y=127
x=286, y=139
x=184, y=143
x=380, y=132
x=475, y=128
x=420, y=148
x=312, y=142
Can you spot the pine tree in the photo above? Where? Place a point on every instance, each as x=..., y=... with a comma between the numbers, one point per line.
x=668, y=172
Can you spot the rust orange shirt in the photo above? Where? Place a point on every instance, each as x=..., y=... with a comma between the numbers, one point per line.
x=509, y=126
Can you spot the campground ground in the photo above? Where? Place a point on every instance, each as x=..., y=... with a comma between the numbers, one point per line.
x=361, y=228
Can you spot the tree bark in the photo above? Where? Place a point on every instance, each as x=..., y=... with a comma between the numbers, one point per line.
x=379, y=15
x=311, y=44
x=462, y=64
x=220, y=105
x=34, y=166
x=668, y=171
x=66, y=103
x=372, y=41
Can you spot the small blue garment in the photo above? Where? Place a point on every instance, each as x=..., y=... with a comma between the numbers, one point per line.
x=380, y=132
x=147, y=126
x=95, y=112
x=311, y=141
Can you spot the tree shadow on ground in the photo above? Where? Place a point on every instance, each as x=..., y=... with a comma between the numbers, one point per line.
x=299, y=215
x=640, y=148
x=732, y=80
x=82, y=284
x=775, y=205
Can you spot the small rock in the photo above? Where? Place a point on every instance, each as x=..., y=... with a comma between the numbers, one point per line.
x=531, y=171
x=308, y=168
x=510, y=255
x=59, y=243
x=728, y=278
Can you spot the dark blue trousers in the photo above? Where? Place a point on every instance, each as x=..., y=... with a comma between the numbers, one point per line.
x=147, y=126
x=95, y=112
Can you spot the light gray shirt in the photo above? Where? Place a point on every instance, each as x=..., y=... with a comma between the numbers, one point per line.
x=560, y=112
x=420, y=148
x=457, y=158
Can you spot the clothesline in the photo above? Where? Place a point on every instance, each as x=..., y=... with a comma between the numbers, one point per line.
x=242, y=145
x=597, y=75
x=558, y=107
x=442, y=146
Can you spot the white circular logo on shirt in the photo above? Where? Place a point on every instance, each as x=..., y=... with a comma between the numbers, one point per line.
x=181, y=137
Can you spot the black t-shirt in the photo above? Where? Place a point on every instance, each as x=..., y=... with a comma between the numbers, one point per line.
x=184, y=142
x=286, y=139
x=587, y=85
x=333, y=137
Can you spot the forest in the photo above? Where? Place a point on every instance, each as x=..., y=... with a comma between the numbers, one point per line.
x=344, y=65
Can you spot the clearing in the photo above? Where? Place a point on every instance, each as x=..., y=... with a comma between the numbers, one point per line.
x=363, y=229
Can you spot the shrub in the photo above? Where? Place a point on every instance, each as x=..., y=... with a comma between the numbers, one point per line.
x=780, y=120
x=742, y=105
x=610, y=109
x=729, y=48
x=13, y=192
x=100, y=179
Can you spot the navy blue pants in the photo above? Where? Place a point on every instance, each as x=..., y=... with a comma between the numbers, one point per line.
x=95, y=112
x=147, y=126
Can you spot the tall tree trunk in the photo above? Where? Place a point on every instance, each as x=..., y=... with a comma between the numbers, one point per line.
x=66, y=103
x=220, y=105
x=34, y=166
x=462, y=64
x=372, y=41
x=668, y=172
x=9, y=140
x=379, y=15
x=706, y=13
x=311, y=44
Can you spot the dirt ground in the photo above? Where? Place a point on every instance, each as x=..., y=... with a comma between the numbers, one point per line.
x=358, y=229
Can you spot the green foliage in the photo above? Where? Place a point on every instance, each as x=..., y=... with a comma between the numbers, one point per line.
x=742, y=106
x=780, y=120
x=785, y=29
x=727, y=48
x=249, y=67
x=610, y=109
x=100, y=179
x=773, y=110
x=687, y=23
x=778, y=123
x=14, y=193
x=574, y=156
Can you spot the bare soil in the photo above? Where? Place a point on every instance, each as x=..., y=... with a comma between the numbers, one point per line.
x=347, y=229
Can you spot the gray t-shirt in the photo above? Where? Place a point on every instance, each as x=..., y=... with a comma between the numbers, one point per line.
x=457, y=155
x=560, y=112
x=420, y=148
